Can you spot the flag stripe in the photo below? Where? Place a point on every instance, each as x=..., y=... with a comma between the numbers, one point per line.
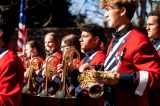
x=22, y=31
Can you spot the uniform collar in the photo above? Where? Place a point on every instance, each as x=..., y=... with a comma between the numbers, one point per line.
x=2, y=50
x=89, y=53
x=122, y=32
x=50, y=53
x=154, y=41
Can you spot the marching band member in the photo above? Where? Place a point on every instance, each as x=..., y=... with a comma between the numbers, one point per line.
x=153, y=30
x=11, y=67
x=32, y=50
x=139, y=68
x=91, y=37
x=34, y=58
x=69, y=42
x=51, y=43
x=90, y=40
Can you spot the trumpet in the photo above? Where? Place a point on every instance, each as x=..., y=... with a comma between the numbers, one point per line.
x=48, y=72
x=34, y=64
x=67, y=62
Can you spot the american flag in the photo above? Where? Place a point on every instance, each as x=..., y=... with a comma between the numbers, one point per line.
x=22, y=30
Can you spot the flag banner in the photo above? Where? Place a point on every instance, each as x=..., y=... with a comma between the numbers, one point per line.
x=22, y=30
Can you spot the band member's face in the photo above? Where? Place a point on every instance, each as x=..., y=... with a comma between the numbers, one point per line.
x=28, y=50
x=49, y=43
x=153, y=28
x=64, y=47
x=113, y=17
x=87, y=41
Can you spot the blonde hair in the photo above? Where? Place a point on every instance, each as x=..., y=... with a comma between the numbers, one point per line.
x=55, y=39
x=129, y=5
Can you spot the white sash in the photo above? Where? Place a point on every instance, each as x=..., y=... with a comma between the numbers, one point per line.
x=110, y=58
x=1, y=55
x=91, y=57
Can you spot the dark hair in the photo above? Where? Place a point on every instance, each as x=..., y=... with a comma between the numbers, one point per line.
x=155, y=13
x=7, y=25
x=36, y=45
x=95, y=30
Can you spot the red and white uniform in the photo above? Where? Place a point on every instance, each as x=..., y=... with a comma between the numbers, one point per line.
x=154, y=95
x=156, y=44
x=11, y=79
x=96, y=58
x=140, y=61
x=56, y=59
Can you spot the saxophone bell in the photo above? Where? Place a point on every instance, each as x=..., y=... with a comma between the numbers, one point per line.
x=89, y=83
x=95, y=90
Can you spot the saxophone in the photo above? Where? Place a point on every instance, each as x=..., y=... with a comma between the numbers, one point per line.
x=93, y=81
x=88, y=81
x=67, y=58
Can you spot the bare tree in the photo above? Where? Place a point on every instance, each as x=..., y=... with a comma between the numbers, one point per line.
x=92, y=9
x=88, y=8
x=141, y=13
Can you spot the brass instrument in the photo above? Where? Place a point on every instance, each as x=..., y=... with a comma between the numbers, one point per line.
x=48, y=71
x=24, y=60
x=33, y=66
x=89, y=82
x=89, y=79
x=23, y=57
x=67, y=62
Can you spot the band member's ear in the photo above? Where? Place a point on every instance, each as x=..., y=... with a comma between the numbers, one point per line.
x=1, y=33
x=123, y=11
x=97, y=39
x=34, y=50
